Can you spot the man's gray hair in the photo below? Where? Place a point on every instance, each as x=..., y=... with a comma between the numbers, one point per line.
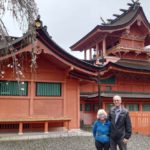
x=117, y=97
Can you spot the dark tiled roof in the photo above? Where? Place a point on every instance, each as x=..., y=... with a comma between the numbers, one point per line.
x=111, y=94
x=12, y=41
x=126, y=16
x=4, y=43
x=134, y=64
x=121, y=21
x=59, y=51
x=128, y=95
x=63, y=53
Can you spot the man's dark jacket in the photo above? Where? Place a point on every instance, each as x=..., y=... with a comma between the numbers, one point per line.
x=122, y=128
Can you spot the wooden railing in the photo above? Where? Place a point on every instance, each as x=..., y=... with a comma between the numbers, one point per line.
x=119, y=47
x=140, y=122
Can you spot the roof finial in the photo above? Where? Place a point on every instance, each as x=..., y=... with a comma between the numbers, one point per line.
x=135, y=4
x=135, y=1
x=138, y=1
x=38, y=22
x=102, y=20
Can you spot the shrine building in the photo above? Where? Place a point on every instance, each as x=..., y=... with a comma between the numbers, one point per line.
x=121, y=48
x=44, y=88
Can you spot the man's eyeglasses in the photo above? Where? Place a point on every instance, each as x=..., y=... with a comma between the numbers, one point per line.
x=116, y=100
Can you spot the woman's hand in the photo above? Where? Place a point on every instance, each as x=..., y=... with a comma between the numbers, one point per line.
x=125, y=141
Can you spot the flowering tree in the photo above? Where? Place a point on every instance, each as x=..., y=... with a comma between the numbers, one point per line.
x=25, y=13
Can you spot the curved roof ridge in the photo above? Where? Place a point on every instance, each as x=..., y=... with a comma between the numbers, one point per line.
x=41, y=32
x=119, y=23
x=133, y=7
x=63, y=53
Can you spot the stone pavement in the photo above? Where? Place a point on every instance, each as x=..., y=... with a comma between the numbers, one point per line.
x=63, y=140
x=39, y=135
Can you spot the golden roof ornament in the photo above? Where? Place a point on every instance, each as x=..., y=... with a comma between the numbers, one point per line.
x=38, y=22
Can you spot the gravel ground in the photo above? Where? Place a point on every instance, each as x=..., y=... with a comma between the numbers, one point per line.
x=137, y=142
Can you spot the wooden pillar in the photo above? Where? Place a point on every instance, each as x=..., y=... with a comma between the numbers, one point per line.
x=97, y=50
x=104, y=105
x=45, y=127
x=31, y=97
x=20, y=128
x=85, y=55
x=140, y=106
x=64, y=98
x=68, y=125
x=78, y=105
x=90, y=53
x=104, y=47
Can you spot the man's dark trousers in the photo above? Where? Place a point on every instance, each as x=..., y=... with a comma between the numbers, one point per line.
x=120, y=143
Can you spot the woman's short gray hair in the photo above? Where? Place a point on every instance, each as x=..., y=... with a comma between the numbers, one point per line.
x=101, y=113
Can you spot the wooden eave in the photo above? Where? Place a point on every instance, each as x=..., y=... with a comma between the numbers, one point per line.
x=45, y=44
x=68, y=68
x=89, y=38
x=52, y=48
x=84, y=77
x=109, y=28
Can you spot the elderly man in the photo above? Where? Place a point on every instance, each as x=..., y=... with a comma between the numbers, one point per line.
x=120, y=125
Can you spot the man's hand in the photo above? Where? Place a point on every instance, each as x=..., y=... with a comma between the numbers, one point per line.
x=125, y=141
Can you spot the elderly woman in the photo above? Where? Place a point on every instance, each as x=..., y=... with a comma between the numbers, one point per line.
x=101, y=131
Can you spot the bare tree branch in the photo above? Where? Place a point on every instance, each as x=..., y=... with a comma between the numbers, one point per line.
x=25, y=13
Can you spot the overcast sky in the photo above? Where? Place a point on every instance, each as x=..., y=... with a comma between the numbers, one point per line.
x=70, y=20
